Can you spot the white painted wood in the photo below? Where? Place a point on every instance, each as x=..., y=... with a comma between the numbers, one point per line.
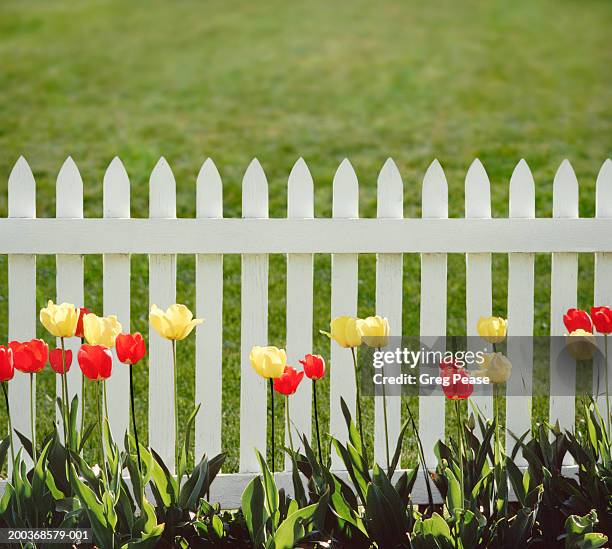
x=116, y=297
x=301, y=236
x=21, y=292
x=254, y=325
x=389, y=291
x=603, y=274
x=69, y=275
x=478, y=278
x=344, y=287
x=433, y=309
x=520, y=314
x=300, y=204
x=162, y=292
x=563, y=295
x=209, y=336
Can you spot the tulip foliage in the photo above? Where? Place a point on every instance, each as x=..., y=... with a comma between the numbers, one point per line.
x=131, y=499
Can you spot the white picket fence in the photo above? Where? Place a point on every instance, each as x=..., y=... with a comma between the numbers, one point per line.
x=69, y=236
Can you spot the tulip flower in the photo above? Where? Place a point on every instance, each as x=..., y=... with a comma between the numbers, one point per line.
x=7, y=371
x=96, y=363
x=492, y=328
x=130, y=350
x=496, y=367
x=175, y=323
x=345, y=331
x=59, y=320
x=60, y=360
x=374, y=331
x=79, y=327
x=30, y=357
x=269, y=362
x=101, y=330
x=314, y=368
x=287, y=385
x=577, y=319
x=602, y=318
x=580, y=344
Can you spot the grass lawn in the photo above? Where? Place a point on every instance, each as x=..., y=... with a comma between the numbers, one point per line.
x=322, y=80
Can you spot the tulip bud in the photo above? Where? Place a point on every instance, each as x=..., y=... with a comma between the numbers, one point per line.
x=7, y=369
x=577, y=319
x=268, y=362
x=59, y=320
x=581, y=345
x=288, y=381
x=496, y=367
x=175, y=323
x=602, y=318
x=95, y=361
x=130, y=348
x=492, y=328
x=314, y=366
x=374, y=331
x=57, y=361
x=345, y=331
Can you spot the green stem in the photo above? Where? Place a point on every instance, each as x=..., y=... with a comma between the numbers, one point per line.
x=272, y=421
x=32, y=421
x=134, y=419
x=10, y=424
x=105, y=400
x=316, y=414
x=363, y=446
x=176, y=417
x=607, y=386
x=289, y=424
x=460, y=442
x=384, y=396
x=66, y=406
x=100, y=429
x=82, y=400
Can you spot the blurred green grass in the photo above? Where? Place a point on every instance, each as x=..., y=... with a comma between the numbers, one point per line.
x=321, y=80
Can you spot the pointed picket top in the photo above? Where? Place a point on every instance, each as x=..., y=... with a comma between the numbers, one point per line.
x=390, y=192
x=603, y=201
x=434, y=192
x=477, y=191
x=300, y=191
x=69, y=191
x=522, y=191
x=565, y=191
x=116, y=195
x=345, y=201
x=162, y=191
x=209, y=191
x=21, y=190
x=254, y=191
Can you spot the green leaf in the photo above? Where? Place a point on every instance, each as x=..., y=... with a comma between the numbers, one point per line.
x=254, y=510
x=294, y=528
x=271, y=492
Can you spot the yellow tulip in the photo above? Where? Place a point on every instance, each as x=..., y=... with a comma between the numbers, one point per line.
x=345, y=331
x=492, y=328
x=176, y=322
x=374, y=331
x=581, y=344
x=268, y=362
x=496, y=367
x=59, y=320
x=101, y=330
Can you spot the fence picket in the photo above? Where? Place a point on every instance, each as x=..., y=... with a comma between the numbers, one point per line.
x=389, y=291
x=69, y=277
x=209, y=306
x=478, y=279
x=254, y=325
x=116, y=296
x=300, y=204
x=21, y=291
x=563, y=295
x=433, y=308
x=344, y=287
x=162, y=292
x=520, y=313
x=603, y=271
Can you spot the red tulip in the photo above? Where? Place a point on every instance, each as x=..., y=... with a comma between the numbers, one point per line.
x=314, y=366
x=31, y=356
x=577, y=319
x=57, y=362
x=130, y=348
x=602, y=318
x=79, y=328
x=288, y=382
x=96, y=361
x=7, y=370
x=457, y=387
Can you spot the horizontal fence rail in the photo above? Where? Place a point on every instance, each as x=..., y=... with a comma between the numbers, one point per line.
x=300, y=235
